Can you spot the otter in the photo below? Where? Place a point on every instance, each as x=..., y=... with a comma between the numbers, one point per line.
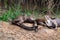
x=39, y=21
x=24, y=19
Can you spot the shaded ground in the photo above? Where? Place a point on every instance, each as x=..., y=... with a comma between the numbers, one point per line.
x=11, y=32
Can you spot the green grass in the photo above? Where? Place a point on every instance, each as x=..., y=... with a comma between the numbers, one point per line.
x=10, y=14
x=14, y=12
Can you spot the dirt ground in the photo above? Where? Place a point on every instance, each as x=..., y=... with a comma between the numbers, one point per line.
x=12, y=32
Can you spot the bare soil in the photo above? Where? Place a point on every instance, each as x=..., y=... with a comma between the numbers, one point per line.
x=12, y=32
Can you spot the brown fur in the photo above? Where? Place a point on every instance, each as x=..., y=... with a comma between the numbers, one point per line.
x=21, y=19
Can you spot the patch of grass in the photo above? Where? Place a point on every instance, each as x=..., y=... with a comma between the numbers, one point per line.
x=14, y=12
x=10, y=14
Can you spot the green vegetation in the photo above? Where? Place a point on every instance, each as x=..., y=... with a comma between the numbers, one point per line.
x=10, y=14
x=14, y=12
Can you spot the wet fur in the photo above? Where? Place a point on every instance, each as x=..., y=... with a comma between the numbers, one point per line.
x=18, y=21
x=26, y=27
